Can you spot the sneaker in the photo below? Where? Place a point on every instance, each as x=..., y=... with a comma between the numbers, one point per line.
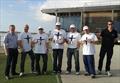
x=21, y=74
x=37, y=74
x=33, y=72
x=86, y=74
x=44, y=73
x=15, y=73
x=99, y=72
x=67, y=72
x=59, y=72
x=92, y=76
x=7, y=77
x=55, y=72
x=77, y=73
x=109, y=74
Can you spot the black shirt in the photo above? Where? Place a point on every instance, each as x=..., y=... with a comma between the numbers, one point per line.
x=108, y=38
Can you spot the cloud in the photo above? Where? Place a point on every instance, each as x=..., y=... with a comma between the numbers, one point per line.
x=44, y=20
x=39, y=15
x=43, y=16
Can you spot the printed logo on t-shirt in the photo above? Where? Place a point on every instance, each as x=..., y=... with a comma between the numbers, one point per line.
x=71, y=38
x=40, y=39
x=58, y=35
x=27, y=38
x=86, y=40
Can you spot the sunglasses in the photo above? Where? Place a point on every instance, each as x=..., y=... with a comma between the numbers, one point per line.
x=40, y=29
x=109, y=24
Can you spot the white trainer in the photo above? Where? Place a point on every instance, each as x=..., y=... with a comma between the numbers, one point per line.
x=21, y=74
x=77, y=73
x=7, y=77
x=99, y=72
x=109, y=74
x=67, y=72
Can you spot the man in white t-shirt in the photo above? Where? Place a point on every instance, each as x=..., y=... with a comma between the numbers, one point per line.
x=40, y=42
x=58, y=37
x=25, y=45
x=73, y=38
x=88, y=40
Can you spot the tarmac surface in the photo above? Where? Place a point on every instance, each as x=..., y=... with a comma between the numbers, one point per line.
x=73, y=78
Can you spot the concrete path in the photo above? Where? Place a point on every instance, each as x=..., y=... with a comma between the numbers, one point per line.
x=115, y=69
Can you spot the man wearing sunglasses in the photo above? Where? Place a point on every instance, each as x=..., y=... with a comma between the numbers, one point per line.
x=109, y=36
x=40, y=43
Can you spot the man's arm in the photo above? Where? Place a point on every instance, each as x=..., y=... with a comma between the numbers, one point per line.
x=6, y=44
x=20, y=44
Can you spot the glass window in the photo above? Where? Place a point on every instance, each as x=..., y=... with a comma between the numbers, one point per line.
x=97, y=20
x=117, y=21
x=66, y=21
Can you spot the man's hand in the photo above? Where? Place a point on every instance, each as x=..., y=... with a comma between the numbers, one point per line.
x=6, y=50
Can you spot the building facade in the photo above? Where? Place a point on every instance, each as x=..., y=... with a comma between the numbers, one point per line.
x=93, y=13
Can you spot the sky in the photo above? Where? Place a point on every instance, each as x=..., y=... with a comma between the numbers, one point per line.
x=21, y=12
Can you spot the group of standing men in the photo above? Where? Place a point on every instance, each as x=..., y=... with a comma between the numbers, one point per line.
x=37, y=47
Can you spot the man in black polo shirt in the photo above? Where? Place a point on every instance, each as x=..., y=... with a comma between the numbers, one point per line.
x=109, y=36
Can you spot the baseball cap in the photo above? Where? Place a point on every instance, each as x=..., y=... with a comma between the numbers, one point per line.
x=40, y=28
x=85, y=27
x=58, y=23
x=72, y=26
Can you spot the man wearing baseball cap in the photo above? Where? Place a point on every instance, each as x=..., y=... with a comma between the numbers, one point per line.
x=40, y=43
x=73, y=38
x=58, y=37
x=88, y=40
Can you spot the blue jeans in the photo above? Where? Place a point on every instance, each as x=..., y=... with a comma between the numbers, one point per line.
x=89, y=63
x=75, y=52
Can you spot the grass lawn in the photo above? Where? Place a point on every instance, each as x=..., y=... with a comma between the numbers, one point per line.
x=28, y=78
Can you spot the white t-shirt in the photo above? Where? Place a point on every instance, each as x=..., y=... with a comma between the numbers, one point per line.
x=58, y=37
x=72, y=39
x=40, y=46
x=26, y=41
x=88, y=48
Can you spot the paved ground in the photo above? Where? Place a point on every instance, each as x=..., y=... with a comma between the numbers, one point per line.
x=72, y=78
x=115, y=69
